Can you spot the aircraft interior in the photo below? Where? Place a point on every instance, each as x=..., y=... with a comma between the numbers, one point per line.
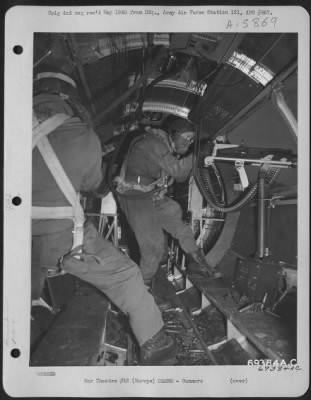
x=239, y=93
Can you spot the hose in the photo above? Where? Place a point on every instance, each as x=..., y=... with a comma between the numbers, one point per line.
x=203, y=180
x=220, y=198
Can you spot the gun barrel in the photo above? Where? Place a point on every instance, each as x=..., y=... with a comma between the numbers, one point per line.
x=253, y=161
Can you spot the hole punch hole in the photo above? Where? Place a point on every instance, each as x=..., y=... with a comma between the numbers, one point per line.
x=16, y=201
x=18, y=49
x=15, y=353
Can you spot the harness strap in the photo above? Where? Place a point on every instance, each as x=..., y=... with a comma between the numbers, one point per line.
x=56, y=169
x=47, y=126
x=123, y=186
x=52, y=212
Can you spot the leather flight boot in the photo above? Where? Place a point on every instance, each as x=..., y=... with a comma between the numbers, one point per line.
x=159, y=350
x=198, y=266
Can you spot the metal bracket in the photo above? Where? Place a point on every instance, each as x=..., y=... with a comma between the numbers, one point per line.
x=42, y=303
x=273, y=200
x=218, y=146
x=112, y=356
x=209, y=161
x=239, y=166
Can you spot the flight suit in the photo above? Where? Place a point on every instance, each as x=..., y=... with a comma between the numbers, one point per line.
x=79, y=151
x=150, y=214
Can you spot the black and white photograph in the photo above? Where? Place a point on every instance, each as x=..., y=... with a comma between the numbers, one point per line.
x=161, y=202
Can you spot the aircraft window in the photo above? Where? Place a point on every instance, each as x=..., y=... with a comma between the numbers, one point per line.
x=248, y=66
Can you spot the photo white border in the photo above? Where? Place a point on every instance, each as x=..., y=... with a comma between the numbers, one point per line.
x=18, y=378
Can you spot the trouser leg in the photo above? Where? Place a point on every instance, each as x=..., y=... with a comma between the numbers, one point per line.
x=37, y=274
x=115, y=275
x=123, y=284
x=170, y=219
x=143, y=220
x=46, y=250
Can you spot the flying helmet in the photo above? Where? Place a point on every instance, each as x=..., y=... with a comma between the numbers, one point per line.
x=183, y=128
x=56, y=91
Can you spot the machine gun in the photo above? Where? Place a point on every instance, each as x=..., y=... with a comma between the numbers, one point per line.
x=257, y=278
x=256, y=156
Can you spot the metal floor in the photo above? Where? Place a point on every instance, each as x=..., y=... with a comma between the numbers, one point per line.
x=207, y=328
